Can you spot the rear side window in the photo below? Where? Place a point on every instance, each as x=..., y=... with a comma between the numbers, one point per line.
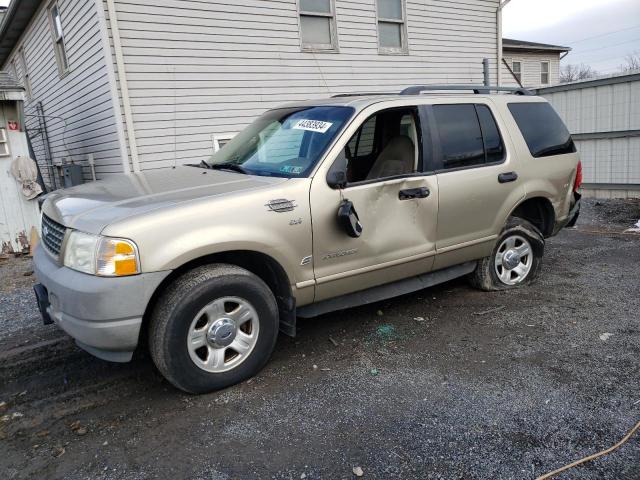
x=468, y=135
x=542, y=129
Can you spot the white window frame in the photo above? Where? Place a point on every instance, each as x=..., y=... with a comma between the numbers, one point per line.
x=59, y=44
x=4, y=143
x=26, y=80
x=220, y=140
x=517, y=74
x=333, y=29
x=404, y=49
x=543, y=73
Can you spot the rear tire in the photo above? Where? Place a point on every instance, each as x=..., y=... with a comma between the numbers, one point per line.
x=515, y=260
x=213, y=327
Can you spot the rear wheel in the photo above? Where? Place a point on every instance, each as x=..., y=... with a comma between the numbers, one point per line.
x=214, y=326
x=515, y=260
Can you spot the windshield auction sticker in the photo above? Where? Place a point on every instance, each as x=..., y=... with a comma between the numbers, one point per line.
x=313, y=126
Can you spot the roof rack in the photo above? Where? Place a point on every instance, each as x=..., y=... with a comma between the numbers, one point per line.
x=417, y=89
x=477, y=89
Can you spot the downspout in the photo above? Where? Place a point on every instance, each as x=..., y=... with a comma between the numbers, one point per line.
x=503, y=3
x=124, y=89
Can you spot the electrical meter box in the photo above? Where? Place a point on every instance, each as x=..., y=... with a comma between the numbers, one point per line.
x=71, y=175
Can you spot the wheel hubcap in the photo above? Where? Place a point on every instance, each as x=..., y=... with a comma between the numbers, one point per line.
x=223, y=334
x=513, y=260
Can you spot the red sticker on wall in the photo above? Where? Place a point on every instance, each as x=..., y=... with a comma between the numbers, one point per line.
x=12, y=125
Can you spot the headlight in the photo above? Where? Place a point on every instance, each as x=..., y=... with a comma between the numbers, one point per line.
x=109, y=257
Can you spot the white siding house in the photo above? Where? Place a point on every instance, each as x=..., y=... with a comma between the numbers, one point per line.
x=531, y=65
x=148, y=84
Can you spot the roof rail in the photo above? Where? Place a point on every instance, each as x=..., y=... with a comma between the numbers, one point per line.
x=362, y=94
x=477, y=89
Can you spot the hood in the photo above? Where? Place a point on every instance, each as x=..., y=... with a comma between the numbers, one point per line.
x=92, y=206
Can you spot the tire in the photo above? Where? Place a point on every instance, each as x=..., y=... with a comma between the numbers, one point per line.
x=222, y=310
x=499, y=271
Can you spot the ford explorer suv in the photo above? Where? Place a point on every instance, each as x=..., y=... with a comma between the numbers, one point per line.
x=314, y=207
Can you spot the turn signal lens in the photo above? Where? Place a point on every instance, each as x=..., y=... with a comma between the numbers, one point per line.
x=117, y=257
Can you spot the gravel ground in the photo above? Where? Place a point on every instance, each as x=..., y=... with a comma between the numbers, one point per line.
x=447, y=383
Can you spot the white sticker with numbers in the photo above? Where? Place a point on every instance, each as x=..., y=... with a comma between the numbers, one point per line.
x=313, y=125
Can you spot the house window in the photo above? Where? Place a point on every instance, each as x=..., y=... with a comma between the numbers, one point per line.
x=544, y=73
x=220, y=141
x=58, y=38
x=516, y=68
x=392, y=32
x=26, y=81
x=318, y=25
x=4, y=144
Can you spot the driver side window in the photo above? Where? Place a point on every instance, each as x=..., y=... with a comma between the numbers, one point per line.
x=386, y=145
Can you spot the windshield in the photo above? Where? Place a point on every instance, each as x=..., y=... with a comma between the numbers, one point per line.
x=286, y=142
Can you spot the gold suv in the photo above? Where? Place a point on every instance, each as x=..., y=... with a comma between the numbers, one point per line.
x=314, y=207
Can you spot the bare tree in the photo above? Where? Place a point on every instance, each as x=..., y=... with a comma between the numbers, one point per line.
x=572, y=73
x=632, y=62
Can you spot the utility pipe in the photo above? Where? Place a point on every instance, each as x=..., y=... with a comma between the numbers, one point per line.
x=124, y=89
x=501, y=5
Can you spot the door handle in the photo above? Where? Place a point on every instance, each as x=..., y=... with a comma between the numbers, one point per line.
x=507, y=177
x=408, y=194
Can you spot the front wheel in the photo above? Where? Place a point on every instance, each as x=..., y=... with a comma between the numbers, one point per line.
x=515, y=260
x=213, y=327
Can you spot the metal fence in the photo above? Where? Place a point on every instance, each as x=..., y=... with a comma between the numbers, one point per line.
x=603, y=115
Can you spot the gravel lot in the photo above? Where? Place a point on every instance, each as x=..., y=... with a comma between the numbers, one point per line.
x=448, y=383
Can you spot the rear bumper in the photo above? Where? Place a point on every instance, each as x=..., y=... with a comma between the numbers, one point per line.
x=572, y=217
x=102, y=314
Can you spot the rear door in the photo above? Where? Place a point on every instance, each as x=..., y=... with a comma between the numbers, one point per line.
x=478, y=182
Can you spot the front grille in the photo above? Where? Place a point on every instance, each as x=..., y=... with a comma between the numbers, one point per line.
x=52, y=235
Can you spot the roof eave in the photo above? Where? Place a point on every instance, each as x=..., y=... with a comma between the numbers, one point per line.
x=17, y=18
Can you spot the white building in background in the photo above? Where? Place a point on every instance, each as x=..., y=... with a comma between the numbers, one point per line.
x=603, y=116
x=142, y=84
x=530, y=64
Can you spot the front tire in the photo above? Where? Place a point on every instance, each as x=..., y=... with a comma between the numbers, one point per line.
x=213, y=327
x=515, y=260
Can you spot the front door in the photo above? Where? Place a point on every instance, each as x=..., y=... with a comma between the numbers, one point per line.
x=396, y=203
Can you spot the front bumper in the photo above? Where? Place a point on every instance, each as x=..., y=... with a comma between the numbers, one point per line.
x=102, y=314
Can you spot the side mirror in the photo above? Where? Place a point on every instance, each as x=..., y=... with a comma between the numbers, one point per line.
x=337, y=179
x=348, y=219
x=337, y=174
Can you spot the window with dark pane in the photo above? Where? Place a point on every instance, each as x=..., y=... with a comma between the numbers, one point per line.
x=460, y=135
x=493, y=146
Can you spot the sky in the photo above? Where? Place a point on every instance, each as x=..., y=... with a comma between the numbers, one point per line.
x=600, y=32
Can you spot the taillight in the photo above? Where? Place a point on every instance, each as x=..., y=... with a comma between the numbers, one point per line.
x=578, y=181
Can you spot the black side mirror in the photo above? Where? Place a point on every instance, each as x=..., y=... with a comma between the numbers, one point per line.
x=348, y=219
x=337, y=179
x=337, y=174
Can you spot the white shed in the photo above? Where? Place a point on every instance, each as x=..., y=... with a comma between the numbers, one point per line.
x=18, y=215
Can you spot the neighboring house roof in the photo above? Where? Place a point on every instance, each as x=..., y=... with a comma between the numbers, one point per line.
x=511, y=44
x=9, y=84
x=14, y=22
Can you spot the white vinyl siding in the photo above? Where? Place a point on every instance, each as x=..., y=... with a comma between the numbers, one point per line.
x=392, y=32
x=531, y=68
x=78, y=108
x=197, y=69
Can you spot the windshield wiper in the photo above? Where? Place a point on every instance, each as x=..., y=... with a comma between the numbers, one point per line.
x=228, y=166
